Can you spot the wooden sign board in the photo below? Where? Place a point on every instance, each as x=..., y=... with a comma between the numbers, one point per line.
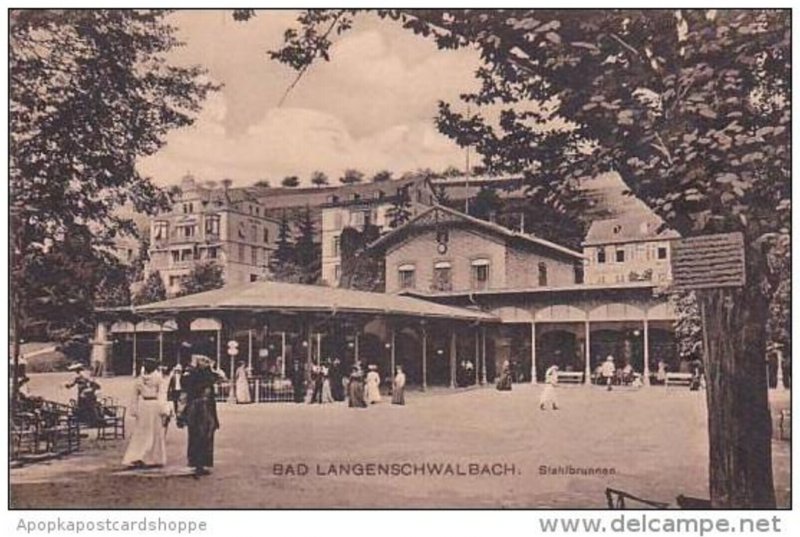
x=708, y=262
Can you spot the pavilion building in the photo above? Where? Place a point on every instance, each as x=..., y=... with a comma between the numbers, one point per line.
x=458, y=290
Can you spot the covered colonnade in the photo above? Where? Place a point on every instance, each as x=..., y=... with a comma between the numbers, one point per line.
x=280, y=328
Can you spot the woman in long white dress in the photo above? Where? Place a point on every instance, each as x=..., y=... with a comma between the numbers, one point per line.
x=373, y=390
x=242, y=388
x=150, y=408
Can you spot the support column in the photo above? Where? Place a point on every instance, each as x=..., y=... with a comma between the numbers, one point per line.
x=160, y=342
x=357, y=354
x=250, y=349
x=219, y=344
x=283, y=354
x=779, y=370
x=319, y=348
x=453, y=348
x=477, y=363
x=483, y=355
x=533, y=353
x=646, y=343
x=393, y=353
x=133, y=365
x=424, y=358
x=183, y=334
x=587, y=353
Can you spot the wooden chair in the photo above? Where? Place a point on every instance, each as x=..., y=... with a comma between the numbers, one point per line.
x=111, y=424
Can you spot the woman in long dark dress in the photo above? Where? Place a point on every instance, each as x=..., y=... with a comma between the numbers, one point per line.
x=355, y=389
x=200, y=414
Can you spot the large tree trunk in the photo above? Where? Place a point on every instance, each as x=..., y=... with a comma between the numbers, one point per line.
x=739, y=422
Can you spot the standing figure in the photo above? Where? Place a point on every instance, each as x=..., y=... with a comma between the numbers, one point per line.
x=200, y=413
x=661, y=374
x=355, y=389
x=87, y=408
x=326, y=395
x=298, y=381
x=373, y=391
x=399, y=387
x=174, y=387
x=697, y=373
x=548, y=396
x=242, y=385
x=504, y=382
x=336, y=379
x=607, y=371
x=152, y=411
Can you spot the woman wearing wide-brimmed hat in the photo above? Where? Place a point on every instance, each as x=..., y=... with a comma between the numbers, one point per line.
x=151, y=410
x=87, y=409
x=200, y=413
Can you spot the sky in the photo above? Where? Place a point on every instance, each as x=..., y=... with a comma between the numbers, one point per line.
x=371, y=107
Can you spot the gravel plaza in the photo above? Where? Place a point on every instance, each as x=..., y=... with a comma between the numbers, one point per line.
x=650, y=442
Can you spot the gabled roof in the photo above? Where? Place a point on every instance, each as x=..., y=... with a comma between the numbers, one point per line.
x=439, y=214
x=634, y=228
x=290, y=297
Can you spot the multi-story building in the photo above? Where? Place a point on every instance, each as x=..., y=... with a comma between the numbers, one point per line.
x=628, y=249
x=220, y=224
x=549, y=314
x=360, y=206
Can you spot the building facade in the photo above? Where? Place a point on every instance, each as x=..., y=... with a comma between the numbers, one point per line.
x=628, y=249
x=360, y=206
x=211, y=224
x=548, y=314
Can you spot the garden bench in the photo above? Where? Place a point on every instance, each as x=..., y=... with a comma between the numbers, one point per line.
x=570, y=377
x=680, y=379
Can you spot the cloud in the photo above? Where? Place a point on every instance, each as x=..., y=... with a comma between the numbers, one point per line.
x=371, y=107
x=295, y=141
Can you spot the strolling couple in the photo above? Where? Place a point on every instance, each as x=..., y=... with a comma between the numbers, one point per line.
x=196, y=409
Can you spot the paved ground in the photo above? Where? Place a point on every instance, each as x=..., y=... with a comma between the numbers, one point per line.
x=654, y=440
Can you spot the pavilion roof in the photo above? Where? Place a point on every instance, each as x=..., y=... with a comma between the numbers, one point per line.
x=290, y=297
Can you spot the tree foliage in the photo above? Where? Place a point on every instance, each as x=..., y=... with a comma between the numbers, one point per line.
x=400, y=211
x=691, y=107
x=290, y=181
x=382, y=176
x=153, y=290
x=204, y=276
x=351, y=176
x=319, y=179
x=91, y=92
x=308, y=253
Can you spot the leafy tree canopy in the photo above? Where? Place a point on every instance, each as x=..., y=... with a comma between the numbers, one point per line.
x=291, y=181
x=319, y=179
x=204, y=276
x=351, y=176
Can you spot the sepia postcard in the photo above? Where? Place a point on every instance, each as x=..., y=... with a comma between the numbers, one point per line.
x=399, y=258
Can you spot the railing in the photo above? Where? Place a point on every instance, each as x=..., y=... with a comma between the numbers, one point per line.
x=262, y=390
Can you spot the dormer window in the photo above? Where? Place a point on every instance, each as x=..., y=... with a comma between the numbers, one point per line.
x=617, y=229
